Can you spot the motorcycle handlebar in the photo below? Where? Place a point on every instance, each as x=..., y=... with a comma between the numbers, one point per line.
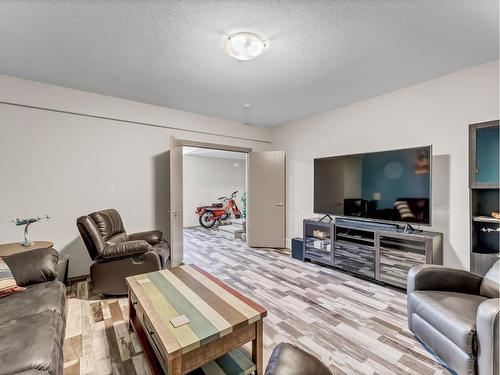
x=232, y=196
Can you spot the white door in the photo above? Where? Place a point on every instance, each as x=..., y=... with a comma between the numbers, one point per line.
x=176, y=234
x=266, y=198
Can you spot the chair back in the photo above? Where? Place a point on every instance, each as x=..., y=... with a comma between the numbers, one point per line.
x=100, y=229
x=490, y=286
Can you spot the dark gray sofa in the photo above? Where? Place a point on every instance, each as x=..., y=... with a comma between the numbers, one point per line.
x=456, y=314
x=32, y=322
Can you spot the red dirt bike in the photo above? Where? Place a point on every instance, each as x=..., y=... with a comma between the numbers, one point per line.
x=209, y=215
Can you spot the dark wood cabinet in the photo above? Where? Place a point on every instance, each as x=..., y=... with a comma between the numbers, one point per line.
x=484, y=183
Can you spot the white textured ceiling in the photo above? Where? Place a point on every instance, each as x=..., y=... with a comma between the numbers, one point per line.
x=322, y=54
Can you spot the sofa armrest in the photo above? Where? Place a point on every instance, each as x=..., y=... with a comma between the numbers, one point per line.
x=34, y=266
x=435, y=277
x=123, y=249
x=488, y=326
x=152, y=237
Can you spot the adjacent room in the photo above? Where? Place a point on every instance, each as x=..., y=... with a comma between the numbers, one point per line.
x=243, y=187
x=214, y=193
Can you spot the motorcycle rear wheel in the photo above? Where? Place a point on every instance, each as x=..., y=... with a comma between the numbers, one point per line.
x=207, y=219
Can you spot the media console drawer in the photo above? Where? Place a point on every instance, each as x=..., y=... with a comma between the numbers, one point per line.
x=357, y=259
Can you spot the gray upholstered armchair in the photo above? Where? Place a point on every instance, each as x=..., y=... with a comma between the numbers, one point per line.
x=456, y=314
x=116, y=254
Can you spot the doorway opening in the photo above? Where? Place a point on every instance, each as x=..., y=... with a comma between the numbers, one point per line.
x=214, y=192
x=264, y=214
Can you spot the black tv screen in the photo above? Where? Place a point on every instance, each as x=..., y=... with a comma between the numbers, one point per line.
x=383, y=186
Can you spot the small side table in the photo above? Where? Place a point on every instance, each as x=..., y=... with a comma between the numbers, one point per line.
x=62, y=268
x=16, y=247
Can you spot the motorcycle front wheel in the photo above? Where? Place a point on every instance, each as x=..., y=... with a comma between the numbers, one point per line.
x=207, y=219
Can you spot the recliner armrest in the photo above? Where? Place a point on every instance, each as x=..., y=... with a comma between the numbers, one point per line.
x=436, y=277
x=123, y=249
x=288, y=359
x=488, y=326
x=34, y=266
x=152, y=237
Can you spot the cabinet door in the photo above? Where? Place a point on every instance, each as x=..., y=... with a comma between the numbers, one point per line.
x=397, y=256
x=355, y=258
x=487, y=146
x=318, y=244
x=484, y=147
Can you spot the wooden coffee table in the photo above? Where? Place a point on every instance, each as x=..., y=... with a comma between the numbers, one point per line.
x=221, y=321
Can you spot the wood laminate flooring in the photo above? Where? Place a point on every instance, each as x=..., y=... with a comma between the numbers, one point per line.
x=353, y=325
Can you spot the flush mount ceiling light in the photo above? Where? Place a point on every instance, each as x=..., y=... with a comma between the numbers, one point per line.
x=244, y=46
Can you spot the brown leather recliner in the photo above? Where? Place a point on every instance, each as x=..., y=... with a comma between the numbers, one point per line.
x=116, y=254
x=456, y=314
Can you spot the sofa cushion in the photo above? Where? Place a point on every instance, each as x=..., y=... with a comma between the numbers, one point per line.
x=8, y=284
x=451, y=314
x=32, y=343
x=34, y=266
x=37, y=298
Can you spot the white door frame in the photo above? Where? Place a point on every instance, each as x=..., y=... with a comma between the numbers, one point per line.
x=214, y=146
x=217, y=146
x=174, y=230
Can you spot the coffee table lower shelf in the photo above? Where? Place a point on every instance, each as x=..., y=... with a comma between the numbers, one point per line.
x=233, y=363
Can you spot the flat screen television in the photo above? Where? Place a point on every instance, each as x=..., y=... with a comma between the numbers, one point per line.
x=392, y=186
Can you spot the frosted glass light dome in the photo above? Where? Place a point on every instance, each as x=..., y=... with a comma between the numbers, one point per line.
x=244, y=46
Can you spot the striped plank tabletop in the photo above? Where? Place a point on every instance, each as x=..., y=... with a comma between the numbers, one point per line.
x=213, y=308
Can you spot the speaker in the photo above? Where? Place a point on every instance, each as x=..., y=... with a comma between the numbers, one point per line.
x=297, y=250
